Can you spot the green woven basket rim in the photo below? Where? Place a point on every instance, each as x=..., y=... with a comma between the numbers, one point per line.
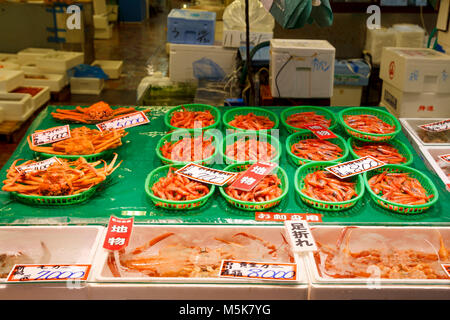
x=76, y=157
x=88, y=192
x=300, y=109
x=310, y=135
x=270, y=138
x=246, y=110
x=403, y=168
x=157, y=199
x=300, y=173
x=394, y=142
x=215, y=112
x=280, y=170
x=370, y=110
x=169, y=135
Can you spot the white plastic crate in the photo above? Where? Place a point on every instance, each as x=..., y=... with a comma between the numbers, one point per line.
x=60, y=61
x=301, y=68
x=30, y=55
x=349, y=96
x=55, y=82
x=376, y=39
x=86, y=85
x=434, y=163
x=10, y=79
x=113, y=68
x=16, y=106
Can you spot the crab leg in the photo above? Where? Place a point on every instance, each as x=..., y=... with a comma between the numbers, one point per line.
x=152, y=242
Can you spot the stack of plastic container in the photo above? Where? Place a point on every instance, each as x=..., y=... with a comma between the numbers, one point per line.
x=103, y=29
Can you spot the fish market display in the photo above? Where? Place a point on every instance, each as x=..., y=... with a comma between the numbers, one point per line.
x=298, y=120
x=9, y=259
x=381, y=151
x=62, y=178
x=251, y=122
x=434, y=137
x=399, y=188
x=267, y=189
x=189, y=149
x=368, y=123
x=83, y=141
x=192, y=119
x=250, y=150
x=316, y=150
x=323, y=185
x=172, y=254
x=178, y=188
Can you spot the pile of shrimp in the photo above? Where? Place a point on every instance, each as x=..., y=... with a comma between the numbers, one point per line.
x=250, y=150
x=298, y=120
x=399, y=188
x=316, y=150
x=251, y=122
x=192, y=119
x=267, y=189
x=178, y=188
x=381, y=151
x=368, y=123
x=324, y=186
x=189, y=149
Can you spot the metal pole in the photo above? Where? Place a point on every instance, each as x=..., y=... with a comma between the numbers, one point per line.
x=249, y=62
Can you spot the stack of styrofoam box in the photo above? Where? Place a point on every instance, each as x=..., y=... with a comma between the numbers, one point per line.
x=113, y=68
x=191, y=27
x=9, y=61
x=350, y=76
x=301, y=68
x=13, y=106
x=27, y=58
x=83, y=85
x=443, y=25
x=103, y=29
x=416, y=82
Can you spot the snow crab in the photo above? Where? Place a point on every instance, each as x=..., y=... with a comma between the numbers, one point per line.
x=9, y=259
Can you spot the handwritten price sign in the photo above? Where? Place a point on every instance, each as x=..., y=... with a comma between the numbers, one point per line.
x=127, y=121
x=50, y=135
x=258, y=270
x=436, y=126
x=354, y=167
x=206, y=175
x=300, y=236
x=37, y=166
x=39, y=272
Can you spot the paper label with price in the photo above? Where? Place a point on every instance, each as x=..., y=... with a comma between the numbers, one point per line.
x=436, y=126
x=253, y=175
x=258, y=270
x=206, y=175
x=50, y=135
x=445, y=157
x=126, y=121
x=354, y=167
x=50, y=272
x=320, y=131
x=280, y=217
x=118, y=233
x=446, y=267
x=299, y=235
x=37, y=166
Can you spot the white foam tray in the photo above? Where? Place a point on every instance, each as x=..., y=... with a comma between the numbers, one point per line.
x=433, y=162
x=10, y=79
x=41, y=98
x=54, y=81
x=30, y=55
x=60, y=60
x=16, y=106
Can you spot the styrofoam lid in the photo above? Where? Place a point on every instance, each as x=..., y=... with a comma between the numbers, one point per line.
x=300, y=43
x=419, y=53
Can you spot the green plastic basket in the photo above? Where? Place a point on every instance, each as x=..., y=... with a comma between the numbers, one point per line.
x=319, y=110
x=193, y=107
x=160, y=172
x=232, y=138
x=231, y=113
x=426, y=183
x=89, y=157
x=57, y=200
x=256, y=206
x=400, y=146
x=365, y=136
x=298, y=136
x=311, y=167
x=178, y=135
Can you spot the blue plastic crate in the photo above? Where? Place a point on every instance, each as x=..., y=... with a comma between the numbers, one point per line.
x=353, y=72
x=191, y=27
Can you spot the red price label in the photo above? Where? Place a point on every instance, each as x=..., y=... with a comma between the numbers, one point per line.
x=320, y=131
x=253, y=175
x=118, y=233
x=274, y=216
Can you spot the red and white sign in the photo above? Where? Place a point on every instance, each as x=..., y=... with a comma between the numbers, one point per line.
x=37, y=166
x=446, y=267
x=253, y=175
x=48, y=272
x=50, y=135
x=436, y=126
x=320, y=131
x=280, y=217
x=354, y=167
x=126, y=121
x=118, y=233
x=445, y=157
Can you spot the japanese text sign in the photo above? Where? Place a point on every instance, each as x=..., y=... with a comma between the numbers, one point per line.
x=118, y=233
x=320, y=131
x=258, y=270
x=354, y=167
x=273, y=216
x=37, y=166
x=206, y=175
x=50, y=135
x=253, y=175
x=299, y=235
x=39, y=272
x=436, y=126
x=126, y=121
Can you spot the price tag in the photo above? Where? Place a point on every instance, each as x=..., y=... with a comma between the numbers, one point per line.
x=436, y=126
x=253, y=175
x=50, y=272
x=354, y=167
x=273, y=216
x=445, y=157
x=300, y=236
x=258, y=270
x=37, y=166
x=206, y=175
x=446, y=267
x=126, y=121
x=50, y=135
x=320, y=131
x=118, y=233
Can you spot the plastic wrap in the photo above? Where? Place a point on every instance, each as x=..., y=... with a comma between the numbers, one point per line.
x=234, y=17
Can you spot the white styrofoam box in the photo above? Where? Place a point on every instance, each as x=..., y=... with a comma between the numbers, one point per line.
x=41, y=98
x=10, y=79
x=113, y=68
x=349, y=96
x=86, y=85
x=414, y=104
x=61, y=245
x=9, y=65
x=100, y=6
x=444, y=37
x=409, y=35
x=419, y=137
x=101, y=21
x=103, y=34
x=301, y=68
x=16, y=106
x=55, y=82
x=376, y=39
x=425, y=239
x=30, y=68
x=183, y=56
x=237, y=38
x=416, y=70
x=113, y=12
x=60, y=60
x=435, y=164
x=30, y=55
x=9, y=57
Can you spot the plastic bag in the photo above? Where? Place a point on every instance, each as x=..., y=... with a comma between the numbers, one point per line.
x=260, y=19
x=206, y=69
x=87, y=71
